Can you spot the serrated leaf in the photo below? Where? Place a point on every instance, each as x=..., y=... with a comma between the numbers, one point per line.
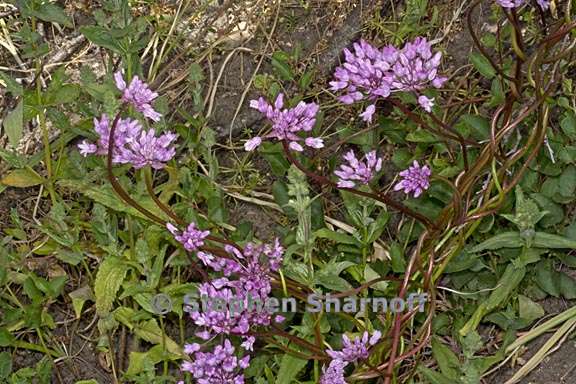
x=109, y=278
x=22, y=178
x=14, y=123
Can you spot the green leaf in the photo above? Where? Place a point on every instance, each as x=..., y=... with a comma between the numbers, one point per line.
x=370, y=274
x=335, y=283
x=66, y=93
x=6, y=338
x=567, y=182
x=568, y=125
x=567, y=286
x=13, y=124
x=274, y=155
x=79, y=297
x=527, y=212
x=338, y=237
x=478, y=125
x=482, y=65
x=45, y=11
x=434, y=377
x=102, y=37
x=446, y=359
x=397, y=258
x=529, y=310
x=555, y=211
x=109, y=278
x=422, y=136
x=549, y=240
x=106, y=196
x=503, y=240
x=290, y=367
x=546, y=278
x=5, y=365
x=508, y=282
x=22, y=178
x=151, y=332
x=281, y=65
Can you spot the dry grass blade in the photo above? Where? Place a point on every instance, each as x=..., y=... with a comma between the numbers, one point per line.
x=557, y=339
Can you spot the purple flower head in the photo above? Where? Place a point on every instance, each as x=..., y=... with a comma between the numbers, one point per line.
x=510, y=3
x=358, y=171
x=147, y=149
x=248, y=343
x=416, y=67
x=138, y=94
x=416, y=179
x=334, y=374
x=356, y=349
x=286, y=123
x=220, y=366
x=364, y=74
x=239, y=297
x=192, y=238
x=86, y=148
x=544, y=4
x=126, y=131
x=426, y=103
x=132, y=145
x=369, y=73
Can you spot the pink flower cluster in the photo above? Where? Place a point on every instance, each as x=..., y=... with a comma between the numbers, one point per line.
x=287, y=123
x=192, y=238
x=544, y=4
x=352, y=351
x=132, y=143
x=138, y=94
x=415, y=179
x=246, y=281
x=370, y=73
x=358, y=171
x=219, y=366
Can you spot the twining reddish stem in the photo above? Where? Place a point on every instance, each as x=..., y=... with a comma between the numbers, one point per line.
x=383, y=198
